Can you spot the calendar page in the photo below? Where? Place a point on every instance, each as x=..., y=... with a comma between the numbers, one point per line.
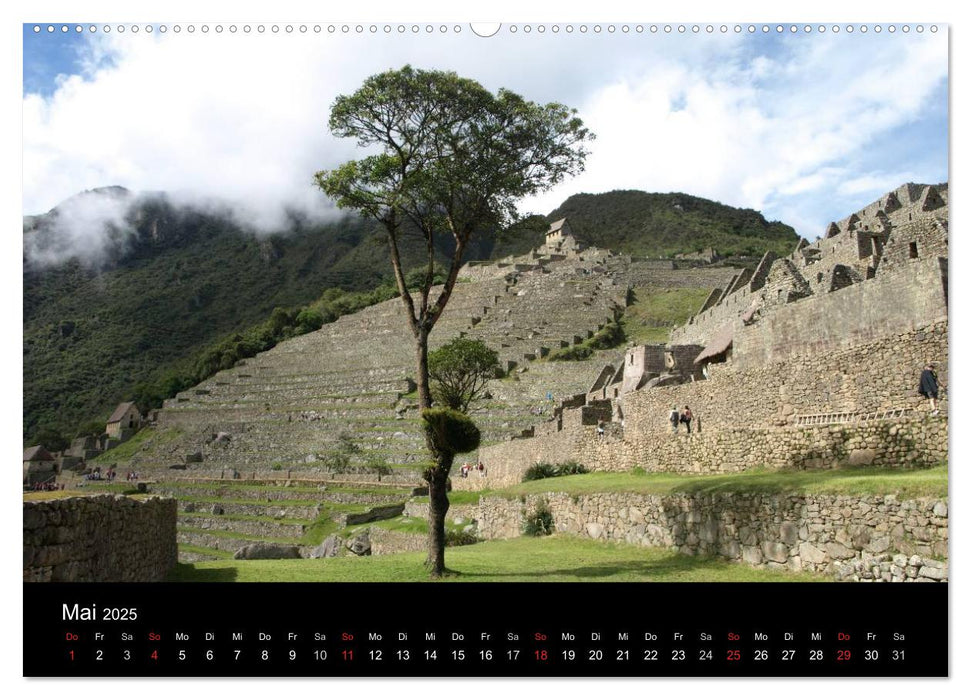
x=535, y=349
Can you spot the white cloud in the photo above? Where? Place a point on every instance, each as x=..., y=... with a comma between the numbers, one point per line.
x=243, y=118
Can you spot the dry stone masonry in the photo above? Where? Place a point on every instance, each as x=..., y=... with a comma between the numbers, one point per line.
x=99, y=539
x=809, y=361
x=848, y=538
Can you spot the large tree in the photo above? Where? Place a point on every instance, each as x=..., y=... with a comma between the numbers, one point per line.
x=447, y=158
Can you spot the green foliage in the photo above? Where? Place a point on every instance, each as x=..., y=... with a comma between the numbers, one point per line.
x=652, y=313
x=449, y=431
x=339, y=459
x=136, y=325
x=660, y=225
x=545, y=470
x=459, y=371
x=539, y=522
x=570, y=354
x=415, y=279
x=453, y=156
x=610, y=336
x=51, y=438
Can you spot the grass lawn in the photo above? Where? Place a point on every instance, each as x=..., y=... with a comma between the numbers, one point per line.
x=850, y=481
x=544, y=559
x=145, y=436
x=670, y=307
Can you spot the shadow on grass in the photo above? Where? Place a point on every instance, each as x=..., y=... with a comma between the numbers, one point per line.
x=671, y=567
x=183, y=573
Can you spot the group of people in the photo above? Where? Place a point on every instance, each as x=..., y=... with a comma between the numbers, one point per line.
x=96, y=475
x=49, y=485
x=466, y=468
x=677, y=418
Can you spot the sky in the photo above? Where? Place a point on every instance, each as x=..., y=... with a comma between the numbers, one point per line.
x=805, y=127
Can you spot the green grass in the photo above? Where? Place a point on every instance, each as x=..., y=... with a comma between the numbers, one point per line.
x=670, y=307
x=539, y=559
x=146, y=436
x=208, y=551
x=849, y=481
x=456, y=498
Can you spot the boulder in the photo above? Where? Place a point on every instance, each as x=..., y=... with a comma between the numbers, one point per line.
x=326, y=549
x=360, y=544
x=267, y=550
x=194, y=457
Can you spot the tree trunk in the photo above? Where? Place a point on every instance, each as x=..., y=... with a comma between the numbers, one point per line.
x=424, y=391
x=437, y=509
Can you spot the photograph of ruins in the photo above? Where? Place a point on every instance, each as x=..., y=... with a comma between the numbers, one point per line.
x=543, y=365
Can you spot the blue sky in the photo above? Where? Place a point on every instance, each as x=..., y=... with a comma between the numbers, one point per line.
x=804, y=127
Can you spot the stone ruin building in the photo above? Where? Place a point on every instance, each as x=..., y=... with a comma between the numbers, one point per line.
x=809, y=360
x=39, y=465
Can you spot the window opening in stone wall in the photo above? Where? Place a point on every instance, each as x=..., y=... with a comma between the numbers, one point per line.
x=913, y=250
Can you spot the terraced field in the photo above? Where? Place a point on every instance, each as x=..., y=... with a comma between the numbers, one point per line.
x=340, y=400
x=305, y=440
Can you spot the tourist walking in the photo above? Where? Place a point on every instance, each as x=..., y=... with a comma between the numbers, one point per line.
x=929, y=387
x=686, y=418
x=675, y=418
x=600, y=430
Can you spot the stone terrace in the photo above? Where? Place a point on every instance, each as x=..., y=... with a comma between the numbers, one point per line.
x=286, y=409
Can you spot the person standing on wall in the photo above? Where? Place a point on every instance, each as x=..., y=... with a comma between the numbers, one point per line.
x=686, y=418
x=929, y=386
x=675, y=418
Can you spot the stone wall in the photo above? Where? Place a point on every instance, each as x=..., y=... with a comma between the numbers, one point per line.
x=847, y=537
x=910, y=440
x=904, y=299
x=751, y=416
x=99, y=539
x=873, y=376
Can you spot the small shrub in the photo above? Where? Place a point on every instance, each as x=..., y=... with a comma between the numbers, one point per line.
x=378, y=467
x=457, y=538
x=638, y=471
x=544, y=470
x=572, y=353
x=539, y=522
x=276, y=466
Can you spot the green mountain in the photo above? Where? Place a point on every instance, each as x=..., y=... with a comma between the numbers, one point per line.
x=168, y=282
x=655, y=225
